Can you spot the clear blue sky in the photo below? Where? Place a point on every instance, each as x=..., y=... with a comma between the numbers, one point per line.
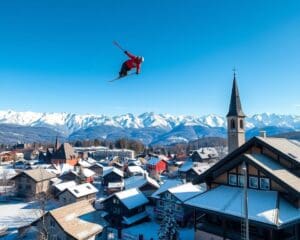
x=57, y=55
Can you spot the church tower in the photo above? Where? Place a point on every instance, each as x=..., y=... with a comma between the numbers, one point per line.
x=235, y=119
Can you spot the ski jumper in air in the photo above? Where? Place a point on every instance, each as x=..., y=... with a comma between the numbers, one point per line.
x=133, y=62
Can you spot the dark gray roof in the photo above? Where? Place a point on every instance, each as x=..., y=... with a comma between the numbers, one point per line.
x=235, y=108
x=66, y=151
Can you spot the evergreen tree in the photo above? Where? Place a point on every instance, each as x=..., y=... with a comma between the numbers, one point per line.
x=168, y=228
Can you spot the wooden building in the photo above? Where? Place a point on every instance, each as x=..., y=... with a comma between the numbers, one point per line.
x=85, y=191
x=77, y=221
x=32, y=182
x=155, y=165
x=174, y=198
x=273, y=170
x=126, y=208
x=64, y=154
x=112, y=175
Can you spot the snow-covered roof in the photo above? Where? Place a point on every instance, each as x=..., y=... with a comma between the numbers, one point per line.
x=38, y=174
x=108, y=170
x=7, y=173
x=133, y=219
x=64, y=185
x=132, y=198
x=63, y=168
x=115, y=185
x=286, y=146
x=87, y=172
x=84, y=163
x=262, y=205
x=140, y=181
x=135, y=169
x=165, y=186
x=207, y=152
x=199, y=167
x=186, y=191
x=82, y=190
x=73, y=219
x=276, y=170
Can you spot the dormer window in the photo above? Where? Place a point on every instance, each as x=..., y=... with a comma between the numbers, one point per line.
x=232, y=124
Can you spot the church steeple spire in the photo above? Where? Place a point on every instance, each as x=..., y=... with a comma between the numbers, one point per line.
x=235, y=119
x=235, y=108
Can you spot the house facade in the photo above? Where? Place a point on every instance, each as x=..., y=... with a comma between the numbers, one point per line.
x=77, y=221
x=126, y=208
x=174, y=198
x=31, y=183
x=78, y=193
x=156, y=165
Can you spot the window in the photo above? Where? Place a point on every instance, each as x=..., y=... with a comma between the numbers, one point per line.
x=265, y=183
x=241, y=180
x=177, y=207
x=232, y=179
x=241, y=124
x=160, y=203
x=232, y=124
x=116, y=201
x=52, y=223
x=168, y=195
x=253, y=182
x=116, y=210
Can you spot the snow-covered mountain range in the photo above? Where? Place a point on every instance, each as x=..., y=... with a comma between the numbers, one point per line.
x=158, y=127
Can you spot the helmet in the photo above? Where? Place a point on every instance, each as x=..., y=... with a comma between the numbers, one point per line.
x=141, y=58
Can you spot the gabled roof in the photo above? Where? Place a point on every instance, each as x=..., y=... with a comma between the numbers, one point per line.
x=289, y=151
x=38, y=174
x=196, y=166
x=132, y=198
x=73, y=219
x=235, y=108
x=82, y=190
x=65, y=151
x=87, y=172
x=165, y=186
x=108, y=170
x=64, y=185
x=140, y=181
x=207, y=153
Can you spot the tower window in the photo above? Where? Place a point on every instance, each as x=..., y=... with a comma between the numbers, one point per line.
x=241, y=124
x=232, y=124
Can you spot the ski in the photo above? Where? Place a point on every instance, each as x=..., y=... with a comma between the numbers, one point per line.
x=119, y=78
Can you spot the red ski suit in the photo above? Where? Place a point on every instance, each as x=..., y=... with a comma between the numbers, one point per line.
x=133, y=62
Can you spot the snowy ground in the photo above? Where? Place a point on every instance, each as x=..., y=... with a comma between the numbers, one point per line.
x=150, y=229
x=16, y=214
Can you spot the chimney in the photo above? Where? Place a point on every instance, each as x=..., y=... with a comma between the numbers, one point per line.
x=263, y=134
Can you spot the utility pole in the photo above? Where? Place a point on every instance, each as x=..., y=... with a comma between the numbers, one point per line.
x=245, y=219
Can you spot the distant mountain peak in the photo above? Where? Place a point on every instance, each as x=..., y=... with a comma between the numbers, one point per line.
x=136, y=126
